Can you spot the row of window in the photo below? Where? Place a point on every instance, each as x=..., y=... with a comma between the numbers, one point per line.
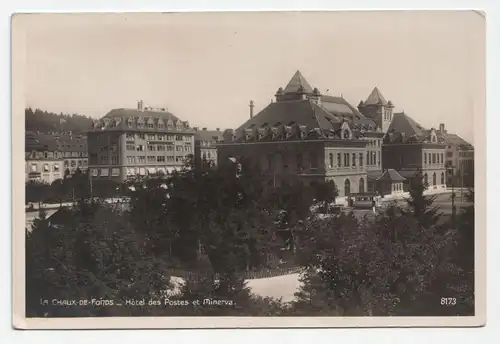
x=159, y=148
x=74, y=163
x=159, y=158
x=351, y=158
x=51, y=155
x=433, y=158
x=466, y=154
x=45, y=168
x=104, y=172
x=374, y=143
x=150, y=125
x=158, y=137
x=434, y=178
x=208, y=156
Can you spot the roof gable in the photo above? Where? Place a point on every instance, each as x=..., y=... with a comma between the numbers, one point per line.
x=403, y=123
x=296, y=83
x=375, y=98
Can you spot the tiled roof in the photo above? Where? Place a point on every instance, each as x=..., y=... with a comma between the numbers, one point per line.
x=374, y=175
x=296, y=83
x=391, y=175
x=302, y=112
x=53, y=143
x=407, y=173
x=375, y=98
x=403, y=123
x=453, y=139
x=208, y=135
x=126, y=113
x=341, y=108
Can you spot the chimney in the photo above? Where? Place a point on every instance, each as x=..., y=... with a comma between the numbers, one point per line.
x=251, y=108
x=204, y=129
x=218, y=129
x=195, y=128
x=441, y=128
x=140, y=105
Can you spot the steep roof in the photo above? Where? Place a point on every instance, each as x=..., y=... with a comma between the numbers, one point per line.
x=125, y=113
x=403, y=123
x=375, y=98
x=296, y=83
x=303, y=112
x=391, y=175
x=453, y=139
x=340, y=108
x=208, y=135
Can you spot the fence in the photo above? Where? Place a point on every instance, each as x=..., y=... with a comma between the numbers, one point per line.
x=247, y=275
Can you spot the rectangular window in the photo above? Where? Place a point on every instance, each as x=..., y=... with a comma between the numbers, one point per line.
x=151, y=137
x=130, y=147
x=170, y=158
x=160, y=159
x=152, y=148
x=187, y=148
x=131, y=159
x=361, y=159
x=378, y=158
x=425, y=158
x=178, y=148
x=130, y=136
x=442, y=158
x=142, y=136
x=33, y=168
x=368, y=158
x=178, y=137
x=161, y=148
x=115, y=172
x=46, y=168
x=187, y=138
x=346, y=160
x=104, y=172
x=140, y=148
x=339, y=160
x=330, y=160
x=160, y=137
x=95, y=172
x=433, y=158
x=170, y=137
x=170, y=148
x=353, y=159
x=114, y=160
x=151, y=158
x=179, y=159
x=141, y=159
x=56, y=167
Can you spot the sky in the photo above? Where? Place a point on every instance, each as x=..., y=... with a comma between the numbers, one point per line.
x=206, y=67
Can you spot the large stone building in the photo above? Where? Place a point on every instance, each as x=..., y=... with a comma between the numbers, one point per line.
x=205, y=145
x=43, y=161
x=307, y=136
x=130, y=143
x=459, y=157
x=409, y=147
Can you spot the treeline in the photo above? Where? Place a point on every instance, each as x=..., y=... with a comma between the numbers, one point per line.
x=219, y=223
x=45, y=122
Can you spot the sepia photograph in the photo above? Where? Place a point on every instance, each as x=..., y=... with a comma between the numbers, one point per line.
x=249, y=169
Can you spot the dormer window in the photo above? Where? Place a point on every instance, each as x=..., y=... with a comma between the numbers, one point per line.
x=345, y=134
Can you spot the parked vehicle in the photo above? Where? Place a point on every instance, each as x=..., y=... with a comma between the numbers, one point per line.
x=364, y=200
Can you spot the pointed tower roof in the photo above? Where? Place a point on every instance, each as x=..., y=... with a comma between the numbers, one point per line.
x=375, y=98
x=296, y=83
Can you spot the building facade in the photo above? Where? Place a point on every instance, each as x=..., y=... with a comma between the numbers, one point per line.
x=408, y=148
x=43, y=161
x=131, y=143
x=205, y=145
x=459, y=157
x=308, y=137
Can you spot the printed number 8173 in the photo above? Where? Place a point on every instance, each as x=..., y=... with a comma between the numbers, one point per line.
x=448, y=301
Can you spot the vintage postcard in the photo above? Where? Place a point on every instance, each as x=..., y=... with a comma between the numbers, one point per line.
x=249, y=169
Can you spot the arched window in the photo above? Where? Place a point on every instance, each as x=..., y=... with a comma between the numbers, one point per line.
x=434, y=178
x=347, y=187
x=426, y=180
x=442, y=178
x=361, y=185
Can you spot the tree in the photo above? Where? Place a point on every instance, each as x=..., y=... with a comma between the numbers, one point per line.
x=354, y=268
x=37, y=192
x=422, y=206
x=325, y=192
x=96, y=256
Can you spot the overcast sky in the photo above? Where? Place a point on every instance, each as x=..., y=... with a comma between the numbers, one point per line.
x=205, y=68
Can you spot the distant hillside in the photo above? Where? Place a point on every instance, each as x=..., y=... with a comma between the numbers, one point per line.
x=46, y=122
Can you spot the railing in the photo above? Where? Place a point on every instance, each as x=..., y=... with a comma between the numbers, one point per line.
x=247, y=275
